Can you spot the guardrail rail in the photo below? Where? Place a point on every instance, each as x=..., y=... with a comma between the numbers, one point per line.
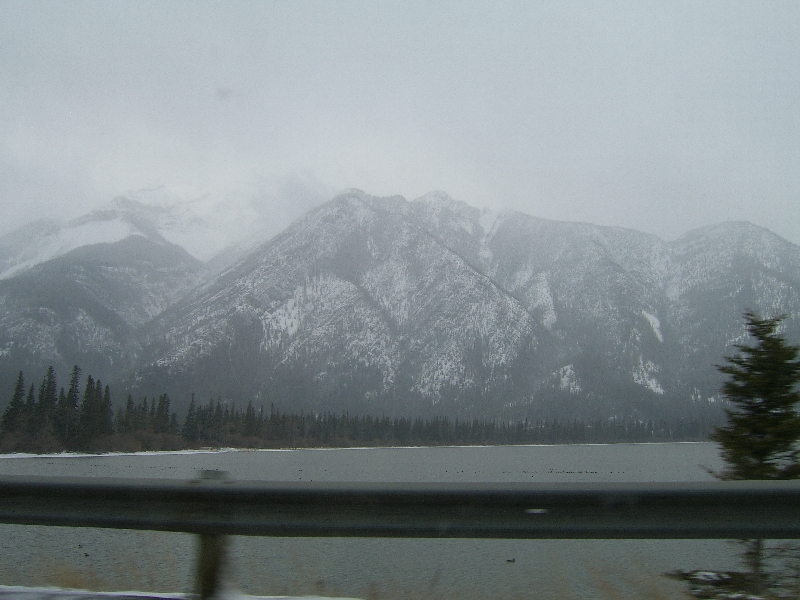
x=214, y=507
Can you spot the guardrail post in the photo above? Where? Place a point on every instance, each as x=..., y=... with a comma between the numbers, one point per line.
x=210, y=564
x=212, y=553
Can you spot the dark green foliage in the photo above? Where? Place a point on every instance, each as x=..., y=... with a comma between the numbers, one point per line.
x=161, y=418
x=14, y=415
x=759, y=441
x=105, y=421
x=30, y=412
x=190, y=430
x=125, y=421
x=41, y=418
x=149, y=425
x=760, y=438
x=95, y=418
x=67, y=411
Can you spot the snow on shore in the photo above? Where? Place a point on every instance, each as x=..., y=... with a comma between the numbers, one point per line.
x=8, y=592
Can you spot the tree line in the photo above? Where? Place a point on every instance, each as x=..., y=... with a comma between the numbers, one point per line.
x=82, y=418
x=53, y=419
x=64, y=419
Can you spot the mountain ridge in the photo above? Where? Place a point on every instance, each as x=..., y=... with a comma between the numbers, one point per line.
x=388, y=306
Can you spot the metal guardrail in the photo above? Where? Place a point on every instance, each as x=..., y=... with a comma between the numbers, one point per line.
x=215, y=507
x=752, y=509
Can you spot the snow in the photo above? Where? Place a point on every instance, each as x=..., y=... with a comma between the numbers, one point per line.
x=543, y=299
x=203, y=227
x=710, y=576
x=8, y=592
x=439, y=203
x=69, y=238
x=643, y=374
x=654, y=323
x=569, y=380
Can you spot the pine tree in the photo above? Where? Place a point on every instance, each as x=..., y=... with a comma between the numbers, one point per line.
x=173, y=424
x=126, y=422
x=190, y=429
x=249, y=428
x=15, y=411
x=29, y=412
x=86, y=416
x=42, y=416
x=105, y=423
x=143, y=412
x=760, y=440
x=66, y=414
x=161, y=420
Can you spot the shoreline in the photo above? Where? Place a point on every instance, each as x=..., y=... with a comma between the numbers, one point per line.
x=23, y=455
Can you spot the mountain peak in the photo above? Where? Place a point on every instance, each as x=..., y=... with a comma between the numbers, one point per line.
x=438, y=200
x=728, y=229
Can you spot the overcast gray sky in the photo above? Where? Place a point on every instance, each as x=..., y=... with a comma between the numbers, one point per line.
x=659, y=116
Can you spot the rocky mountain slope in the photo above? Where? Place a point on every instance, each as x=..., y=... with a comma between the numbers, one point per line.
x=86, y=306
x=384, y=305
x=392, y=307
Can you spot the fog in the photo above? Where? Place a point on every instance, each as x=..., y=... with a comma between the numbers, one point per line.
x=656, y=116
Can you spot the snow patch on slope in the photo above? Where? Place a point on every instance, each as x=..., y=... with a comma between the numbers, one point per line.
x=67, y=239
x=568, y=380
x=321, y=313
x=442, y=208
x=654, y=323
x=543, y=299
x=487, y=221
x=644, y=375
x=538, y=294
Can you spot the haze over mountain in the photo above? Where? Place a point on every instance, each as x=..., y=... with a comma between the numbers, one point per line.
x=384, y=306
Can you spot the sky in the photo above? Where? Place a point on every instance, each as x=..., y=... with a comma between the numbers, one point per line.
x=657, y=116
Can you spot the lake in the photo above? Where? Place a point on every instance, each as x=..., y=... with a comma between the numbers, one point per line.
x=375, y=568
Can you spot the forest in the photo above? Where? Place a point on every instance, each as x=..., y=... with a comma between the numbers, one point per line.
x=82, y=418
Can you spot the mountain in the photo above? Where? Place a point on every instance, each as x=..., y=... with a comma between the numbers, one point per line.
x=381, y=305
x=85, y=307
x=202, y=231
x=384, y=306
x=352, y=307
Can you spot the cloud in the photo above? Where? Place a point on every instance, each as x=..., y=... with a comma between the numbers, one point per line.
x=657, y=117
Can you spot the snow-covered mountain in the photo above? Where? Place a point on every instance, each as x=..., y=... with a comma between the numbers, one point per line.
x=381, y=304
x=387, y=306
x=355, y=303
x=85, y=307
x=205, y=232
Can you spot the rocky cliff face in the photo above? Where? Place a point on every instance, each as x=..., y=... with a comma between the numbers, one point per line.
x=386, y=306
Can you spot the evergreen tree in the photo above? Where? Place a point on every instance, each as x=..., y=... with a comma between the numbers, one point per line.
x=161, y=420
x=126, y=422
x=173, y=424
x=13, y=416
x=250, y=421
x=143, y=412
x=66, y=420
x=42, y=416
x=105, y=417
x=190, y=429
x=29, y=413
x=760, y=440
x=87, y=416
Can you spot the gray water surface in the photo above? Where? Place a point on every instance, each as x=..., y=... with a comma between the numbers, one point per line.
x=375, y=568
